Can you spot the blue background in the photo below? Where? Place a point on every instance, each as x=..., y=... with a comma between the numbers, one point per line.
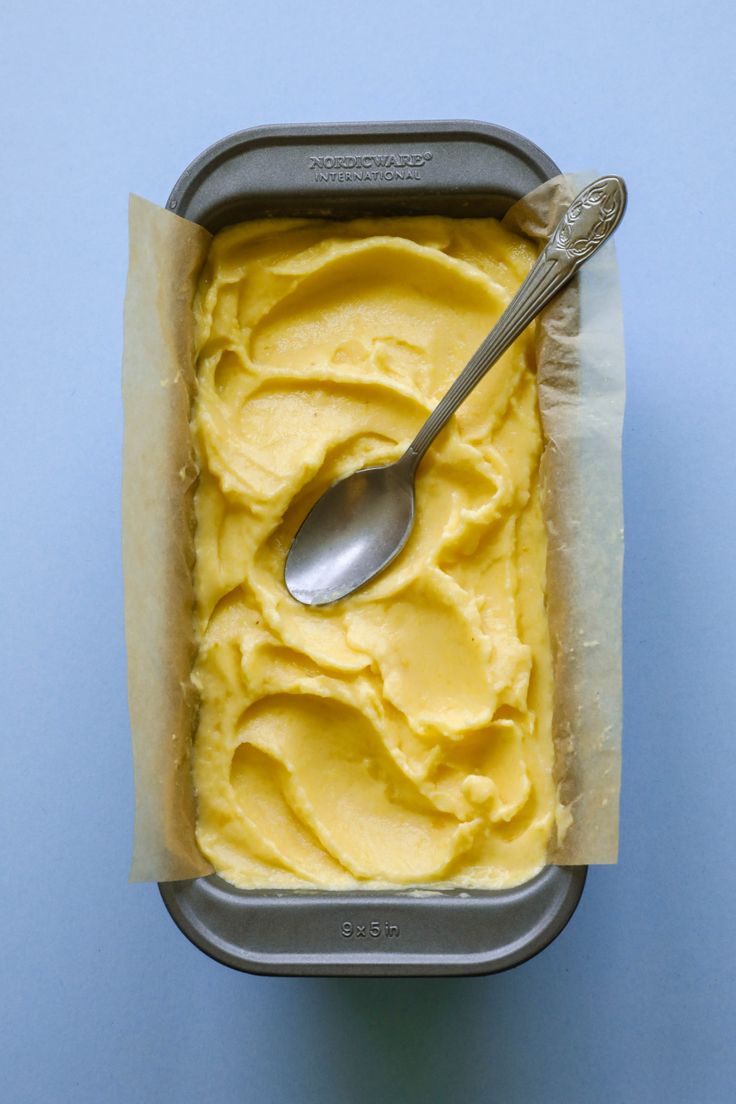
x=103, y=999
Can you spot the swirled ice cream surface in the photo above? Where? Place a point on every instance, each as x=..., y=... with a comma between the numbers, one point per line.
x=402, y=736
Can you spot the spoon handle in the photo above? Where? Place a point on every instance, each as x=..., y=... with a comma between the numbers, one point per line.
x=589, y=220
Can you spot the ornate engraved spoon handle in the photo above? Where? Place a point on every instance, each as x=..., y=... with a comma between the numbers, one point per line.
x=589, y=220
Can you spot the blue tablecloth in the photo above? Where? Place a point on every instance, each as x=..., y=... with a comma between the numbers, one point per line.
x=103, y=999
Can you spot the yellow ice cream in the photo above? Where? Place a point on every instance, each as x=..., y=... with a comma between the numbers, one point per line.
x=403, y=735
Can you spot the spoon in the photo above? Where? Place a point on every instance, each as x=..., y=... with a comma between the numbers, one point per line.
x=361, y=523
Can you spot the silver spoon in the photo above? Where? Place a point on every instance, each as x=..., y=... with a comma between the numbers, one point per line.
x=363, y=521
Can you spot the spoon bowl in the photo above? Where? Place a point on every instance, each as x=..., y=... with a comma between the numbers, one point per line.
x=359, y=525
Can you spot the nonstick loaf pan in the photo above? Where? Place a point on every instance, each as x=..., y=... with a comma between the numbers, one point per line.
x=461, y=169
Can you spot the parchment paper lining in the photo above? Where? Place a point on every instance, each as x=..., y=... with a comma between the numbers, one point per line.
x=581, y=392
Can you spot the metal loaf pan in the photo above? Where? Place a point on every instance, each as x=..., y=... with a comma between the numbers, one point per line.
x=462, y=169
